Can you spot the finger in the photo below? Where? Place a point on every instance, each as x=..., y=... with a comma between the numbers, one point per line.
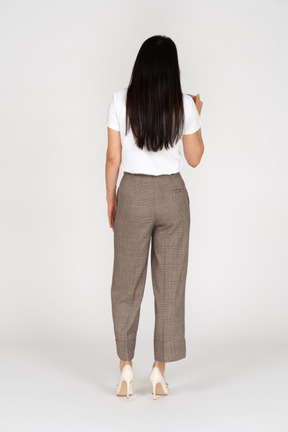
x=110, y=222
x=193, y=97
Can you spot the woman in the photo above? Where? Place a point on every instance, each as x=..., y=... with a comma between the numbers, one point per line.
x=150, y=123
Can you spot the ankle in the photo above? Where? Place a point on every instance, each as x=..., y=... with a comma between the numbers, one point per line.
x=160, y=365
x=124, y=362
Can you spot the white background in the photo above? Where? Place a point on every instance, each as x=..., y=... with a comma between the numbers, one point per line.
x=60, y=63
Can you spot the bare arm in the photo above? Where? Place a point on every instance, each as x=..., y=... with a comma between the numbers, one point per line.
x=193, y=148
x=113, y=161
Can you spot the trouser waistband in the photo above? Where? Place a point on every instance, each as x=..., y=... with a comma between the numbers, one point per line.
x=126, y=173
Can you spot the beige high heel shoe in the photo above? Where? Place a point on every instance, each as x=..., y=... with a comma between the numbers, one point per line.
x=159, y=384
x=125, y=384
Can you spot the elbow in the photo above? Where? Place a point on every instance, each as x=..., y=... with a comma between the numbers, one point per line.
x=195, y=164
x=113, y=159
x=196, y=160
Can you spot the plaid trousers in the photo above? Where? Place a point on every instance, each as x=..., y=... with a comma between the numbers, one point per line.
x=156, y=208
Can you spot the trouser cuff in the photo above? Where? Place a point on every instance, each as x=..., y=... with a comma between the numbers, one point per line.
x=169, y=351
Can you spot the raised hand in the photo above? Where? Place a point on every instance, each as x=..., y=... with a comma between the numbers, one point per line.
x=197, y=101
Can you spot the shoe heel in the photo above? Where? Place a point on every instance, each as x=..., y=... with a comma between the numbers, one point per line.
x=126, y=376
x=156, y=377
x=154, y=390
x=129, y=385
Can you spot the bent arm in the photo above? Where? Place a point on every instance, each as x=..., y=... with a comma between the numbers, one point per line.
x=193, y=148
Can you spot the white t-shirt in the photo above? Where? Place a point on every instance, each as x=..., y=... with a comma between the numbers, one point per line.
x=135, y=160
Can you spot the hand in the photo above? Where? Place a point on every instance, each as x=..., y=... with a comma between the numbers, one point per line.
x=112, y=207
x=197, y=101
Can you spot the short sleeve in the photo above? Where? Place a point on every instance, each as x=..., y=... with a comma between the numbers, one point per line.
x=111, y=117
x=192, y=118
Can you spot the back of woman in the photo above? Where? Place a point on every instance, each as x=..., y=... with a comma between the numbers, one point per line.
x=142, y=160
x=152, y=127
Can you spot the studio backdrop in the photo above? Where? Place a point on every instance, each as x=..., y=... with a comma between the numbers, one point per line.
x=59, y=68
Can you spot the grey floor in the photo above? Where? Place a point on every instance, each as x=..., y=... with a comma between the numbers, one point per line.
x=217, y=387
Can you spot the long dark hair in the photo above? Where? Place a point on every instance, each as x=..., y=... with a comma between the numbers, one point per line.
x=154, y=104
